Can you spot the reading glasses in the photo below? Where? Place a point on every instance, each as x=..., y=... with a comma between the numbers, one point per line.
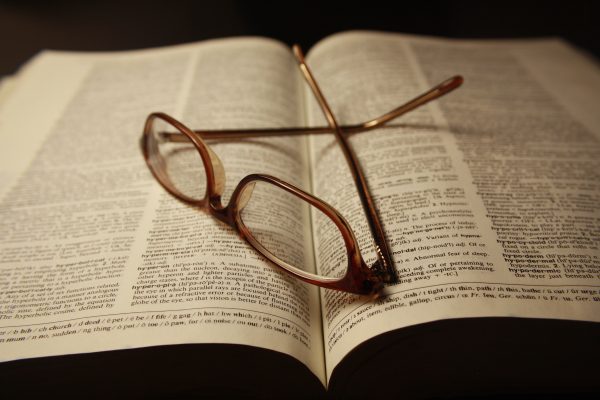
x=270, y=214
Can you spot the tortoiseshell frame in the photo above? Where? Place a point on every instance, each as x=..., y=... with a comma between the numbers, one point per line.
x=359, y=278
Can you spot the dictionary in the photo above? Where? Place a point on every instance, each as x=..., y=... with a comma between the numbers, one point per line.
x=489, y=197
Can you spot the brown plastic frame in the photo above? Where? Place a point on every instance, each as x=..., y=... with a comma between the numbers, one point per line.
x=359, y=278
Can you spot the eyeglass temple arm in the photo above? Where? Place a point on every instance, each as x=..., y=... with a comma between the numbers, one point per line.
x=436, y=92
x=383, y=267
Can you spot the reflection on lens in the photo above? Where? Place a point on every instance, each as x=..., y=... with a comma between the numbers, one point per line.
x=283, y=224
x=179, y=160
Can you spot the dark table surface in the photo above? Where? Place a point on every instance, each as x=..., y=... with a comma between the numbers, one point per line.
x=27, y=26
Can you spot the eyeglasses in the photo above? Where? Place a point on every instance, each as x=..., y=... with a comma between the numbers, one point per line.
x=274, y=216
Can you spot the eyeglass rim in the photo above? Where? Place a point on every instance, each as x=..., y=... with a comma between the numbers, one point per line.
x=160, y=175
x=358, y=279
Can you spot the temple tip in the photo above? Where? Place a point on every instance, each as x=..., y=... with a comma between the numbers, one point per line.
x=452, y=83
x=298, y=52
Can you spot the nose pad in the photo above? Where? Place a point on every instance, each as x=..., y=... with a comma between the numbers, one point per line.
x=245, y=196
x=219, y=172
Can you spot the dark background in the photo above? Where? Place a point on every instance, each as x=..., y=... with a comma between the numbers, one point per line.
x=27, y=26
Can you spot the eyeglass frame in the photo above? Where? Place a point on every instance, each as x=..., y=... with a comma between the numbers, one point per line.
x=359, y=277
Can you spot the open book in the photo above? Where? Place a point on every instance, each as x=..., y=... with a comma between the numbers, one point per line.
x=490, y=198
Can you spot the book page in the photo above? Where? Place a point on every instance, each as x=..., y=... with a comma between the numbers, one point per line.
x=490, y=196
x=96, y=255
